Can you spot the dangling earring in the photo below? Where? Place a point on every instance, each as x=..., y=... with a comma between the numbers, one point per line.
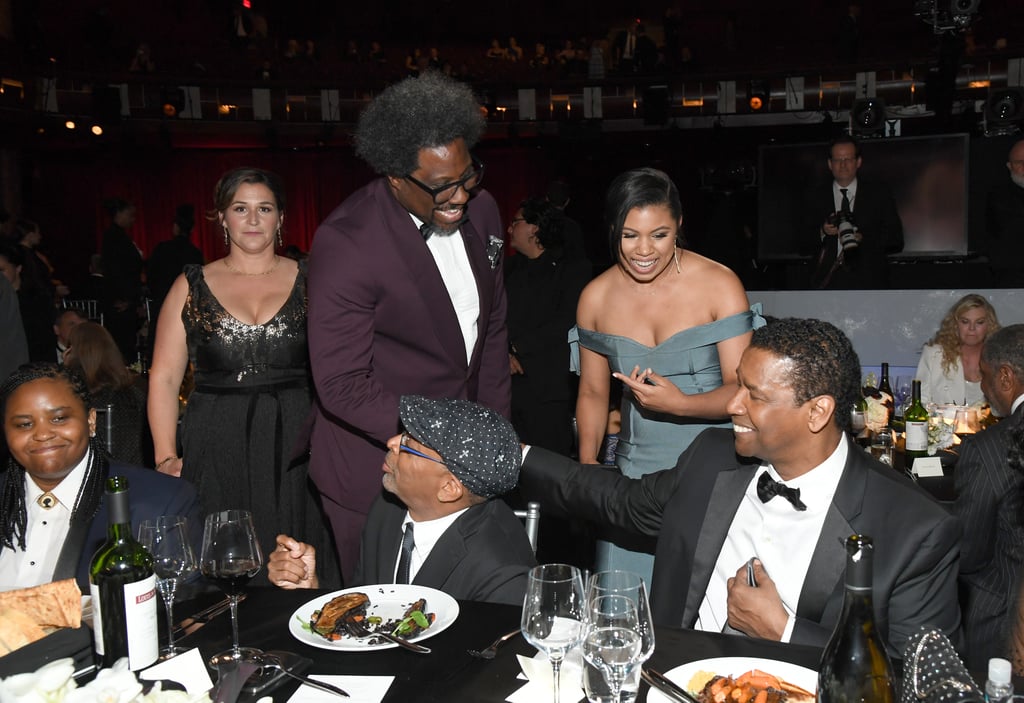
x=227, y=242
x=280, y=242
x=675, y=254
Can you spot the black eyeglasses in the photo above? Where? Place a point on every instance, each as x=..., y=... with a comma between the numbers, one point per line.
x=403, y=447
x=446, y=192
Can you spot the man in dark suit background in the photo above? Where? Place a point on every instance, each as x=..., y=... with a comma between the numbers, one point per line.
x=861, y=261
x=170, y=257
x=1005, y=220
x=406, y=291
x=988, y=504
x=721, y=506
x=447, y=469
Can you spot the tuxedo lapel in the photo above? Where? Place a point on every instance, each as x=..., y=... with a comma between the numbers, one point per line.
x=828, y=562
x=390, y=542
x=726, y=496
x=422, y=271
x=447, y=553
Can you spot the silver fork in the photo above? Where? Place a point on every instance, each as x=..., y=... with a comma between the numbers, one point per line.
x=360, y=631
x=492, y=650
x=272, y=662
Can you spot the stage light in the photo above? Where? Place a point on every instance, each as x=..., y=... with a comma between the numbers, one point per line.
x=97, y=130
x=70, y=124
x=758, y=95
x=1004, y=111
x=867, y=118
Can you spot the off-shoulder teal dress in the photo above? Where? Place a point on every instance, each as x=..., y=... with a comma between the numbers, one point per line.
x=648, y=440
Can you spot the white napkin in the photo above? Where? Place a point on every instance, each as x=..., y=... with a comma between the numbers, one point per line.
x=361, y=689
x=187, y=668
x=538, y=672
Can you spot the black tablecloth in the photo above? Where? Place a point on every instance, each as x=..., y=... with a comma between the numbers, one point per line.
x=449, y=673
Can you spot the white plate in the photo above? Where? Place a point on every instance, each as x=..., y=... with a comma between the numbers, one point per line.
x=734, y=666
x=388, y=601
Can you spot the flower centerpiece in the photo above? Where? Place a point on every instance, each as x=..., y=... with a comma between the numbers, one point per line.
x=55, y=683
x=940, y=434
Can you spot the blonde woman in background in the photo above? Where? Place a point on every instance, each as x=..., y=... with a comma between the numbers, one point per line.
x=949, y=369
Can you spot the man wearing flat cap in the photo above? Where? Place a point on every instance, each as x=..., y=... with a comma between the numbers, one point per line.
x=447, y=532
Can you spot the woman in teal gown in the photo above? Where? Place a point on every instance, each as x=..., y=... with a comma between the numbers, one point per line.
x=667, y=323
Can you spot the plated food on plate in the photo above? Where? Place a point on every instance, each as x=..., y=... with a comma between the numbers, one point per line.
x=414, y=613
x=755, y=675
x=333, y=620
x=754, y=686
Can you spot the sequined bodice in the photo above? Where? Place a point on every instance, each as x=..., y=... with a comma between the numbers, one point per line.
x=228, y=353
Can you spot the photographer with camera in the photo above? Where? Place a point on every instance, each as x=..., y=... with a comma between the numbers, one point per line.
x=856, y=225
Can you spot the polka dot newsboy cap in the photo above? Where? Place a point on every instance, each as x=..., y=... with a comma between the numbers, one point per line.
x=476, y=444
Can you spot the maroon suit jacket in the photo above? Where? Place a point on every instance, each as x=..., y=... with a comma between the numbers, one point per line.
x=381, y=325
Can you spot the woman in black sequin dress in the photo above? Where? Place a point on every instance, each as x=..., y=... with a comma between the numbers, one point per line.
x=241, y=322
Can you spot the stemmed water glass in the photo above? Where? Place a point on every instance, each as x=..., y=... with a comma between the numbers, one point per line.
x=167, y=539
x=902, y=392
x=231, y=556
x=618, y=678
x=553, y=613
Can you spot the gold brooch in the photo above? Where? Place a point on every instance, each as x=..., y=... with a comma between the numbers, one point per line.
x=47, y=500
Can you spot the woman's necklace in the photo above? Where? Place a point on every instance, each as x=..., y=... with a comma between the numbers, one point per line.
x=277, y=260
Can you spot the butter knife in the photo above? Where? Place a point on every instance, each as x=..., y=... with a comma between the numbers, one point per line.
x=205, y=615
x=657, y=680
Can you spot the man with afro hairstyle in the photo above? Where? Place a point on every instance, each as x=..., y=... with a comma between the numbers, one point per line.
x=406, y=294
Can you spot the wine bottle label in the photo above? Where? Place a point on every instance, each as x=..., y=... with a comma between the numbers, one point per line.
x=917, y=436
x=140, y=621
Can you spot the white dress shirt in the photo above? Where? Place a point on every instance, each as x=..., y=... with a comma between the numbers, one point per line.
x=45, y=532
x=837, y=199
x=425, y=535
x=782, y=537
x=449, y=252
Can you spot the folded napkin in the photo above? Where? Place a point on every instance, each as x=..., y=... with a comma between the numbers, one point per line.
x=540, y=679
x=188, y=669
x=361, y=689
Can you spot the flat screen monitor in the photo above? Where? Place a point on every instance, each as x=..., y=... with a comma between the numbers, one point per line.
x=927, y=177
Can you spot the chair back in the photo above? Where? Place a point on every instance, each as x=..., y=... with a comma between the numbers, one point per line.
x=105, y=424
x=91, y=308
x=531, y=522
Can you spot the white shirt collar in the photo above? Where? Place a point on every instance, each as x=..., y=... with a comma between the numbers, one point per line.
x=1016, y=403
x=66, y=491
x=425, y=535
x=818, y=486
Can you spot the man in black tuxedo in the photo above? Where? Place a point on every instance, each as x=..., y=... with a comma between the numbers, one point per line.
x=988, y=505
x=857, y=262
x=1005, y=220
x=723, y=505
x=439, y=523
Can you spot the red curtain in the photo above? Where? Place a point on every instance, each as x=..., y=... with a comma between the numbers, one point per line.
x=65, y=192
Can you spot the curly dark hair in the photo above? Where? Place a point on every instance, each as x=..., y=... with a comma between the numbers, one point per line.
x=13, y=512
x=413, y=114
x=549, y=222
x=823, y=361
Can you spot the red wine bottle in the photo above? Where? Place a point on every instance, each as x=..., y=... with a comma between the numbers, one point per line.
x=123, y=588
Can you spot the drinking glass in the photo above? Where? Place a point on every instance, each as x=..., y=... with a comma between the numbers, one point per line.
x=166, y=538
x=231, y=556
x=553, y=613
x=881, y=446
x=902, y=392
x=612, y=643
x=631, y=586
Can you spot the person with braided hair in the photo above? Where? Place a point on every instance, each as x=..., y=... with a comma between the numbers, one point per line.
x=53, y=514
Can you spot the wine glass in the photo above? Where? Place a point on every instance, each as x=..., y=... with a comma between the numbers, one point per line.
x=612, y=643
x=231, y=556
x=553, y=613
x=167, y=539
x=902, y=391
x=631, y=586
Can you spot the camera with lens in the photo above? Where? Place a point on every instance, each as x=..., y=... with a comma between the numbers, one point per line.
x=843, y=220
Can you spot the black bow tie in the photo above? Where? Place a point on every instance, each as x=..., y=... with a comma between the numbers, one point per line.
x=768, y=488
x=426, y=229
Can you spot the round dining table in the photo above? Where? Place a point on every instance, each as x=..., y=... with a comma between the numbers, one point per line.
x=448, y=674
